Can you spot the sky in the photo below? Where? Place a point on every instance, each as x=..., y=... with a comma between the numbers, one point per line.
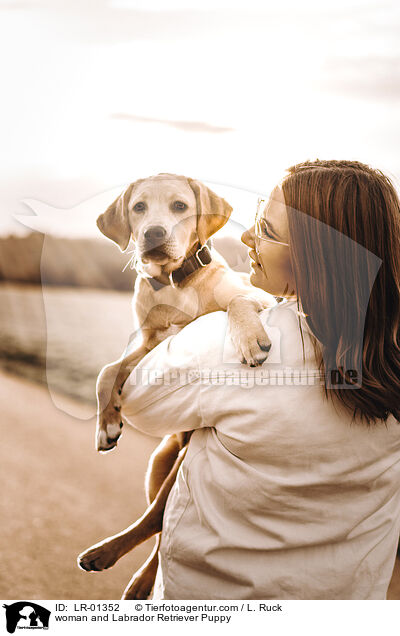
x=99, y=93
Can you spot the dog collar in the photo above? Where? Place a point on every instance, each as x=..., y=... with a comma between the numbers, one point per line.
x=201, y=258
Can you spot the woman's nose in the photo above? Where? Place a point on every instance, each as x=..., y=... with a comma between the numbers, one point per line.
x=248, y=238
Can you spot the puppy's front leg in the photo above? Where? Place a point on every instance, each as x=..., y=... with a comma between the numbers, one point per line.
x=246, y=330
x=108, y=388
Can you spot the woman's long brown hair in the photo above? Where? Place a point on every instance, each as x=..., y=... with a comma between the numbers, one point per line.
x=344, y=229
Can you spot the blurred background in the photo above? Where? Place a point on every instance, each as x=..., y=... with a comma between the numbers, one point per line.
x=99, y=93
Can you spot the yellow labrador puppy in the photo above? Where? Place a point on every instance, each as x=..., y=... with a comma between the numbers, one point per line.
x=170, y=218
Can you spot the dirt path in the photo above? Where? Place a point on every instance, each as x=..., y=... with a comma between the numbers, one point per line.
x=59, y=496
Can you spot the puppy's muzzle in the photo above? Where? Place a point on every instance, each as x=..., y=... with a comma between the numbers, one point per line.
x=154, y=237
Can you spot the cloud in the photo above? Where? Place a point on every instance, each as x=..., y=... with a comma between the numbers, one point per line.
x=103, y=23
x=187, y=126
x=376, y=78
x=18, y=4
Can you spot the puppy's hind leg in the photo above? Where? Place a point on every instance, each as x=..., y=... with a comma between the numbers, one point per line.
x=142, y=582
x=103, y=555
x=160, y=465
x=162, y=461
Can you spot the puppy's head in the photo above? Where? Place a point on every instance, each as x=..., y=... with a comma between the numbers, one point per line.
x=165, y=215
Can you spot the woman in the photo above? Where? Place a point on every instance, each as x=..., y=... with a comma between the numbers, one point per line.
x=290, y=488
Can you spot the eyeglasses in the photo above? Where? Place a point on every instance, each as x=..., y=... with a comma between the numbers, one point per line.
x=261, y=226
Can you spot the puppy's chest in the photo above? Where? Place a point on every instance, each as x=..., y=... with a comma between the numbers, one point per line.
x=169, y=300
x=185, y=299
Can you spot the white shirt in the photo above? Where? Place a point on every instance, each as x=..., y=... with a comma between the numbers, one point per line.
x=280, y=495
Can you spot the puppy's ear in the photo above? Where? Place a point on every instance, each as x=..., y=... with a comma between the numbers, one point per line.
x=114, y=222
x=212, y=210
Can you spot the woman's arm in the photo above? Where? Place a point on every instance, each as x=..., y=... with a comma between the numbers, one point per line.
x=162, y=394
x=168, y=391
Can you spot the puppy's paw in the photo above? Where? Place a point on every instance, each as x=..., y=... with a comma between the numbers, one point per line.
x=99, y=557
x=107, y=434
x=139, y=589
x=253, y=352
x=248, y=335
x=142, y=583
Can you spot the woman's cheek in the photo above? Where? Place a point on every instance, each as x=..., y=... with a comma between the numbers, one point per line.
x=266, y=266
x=258, y=278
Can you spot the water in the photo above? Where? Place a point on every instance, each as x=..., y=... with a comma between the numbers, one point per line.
x=62, y=336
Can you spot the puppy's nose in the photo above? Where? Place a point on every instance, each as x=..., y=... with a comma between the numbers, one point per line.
x=155, y=234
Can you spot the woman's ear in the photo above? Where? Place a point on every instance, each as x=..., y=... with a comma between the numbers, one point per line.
x=212, y=210
x=114, y=222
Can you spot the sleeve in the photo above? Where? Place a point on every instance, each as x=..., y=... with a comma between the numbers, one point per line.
x=162, y=394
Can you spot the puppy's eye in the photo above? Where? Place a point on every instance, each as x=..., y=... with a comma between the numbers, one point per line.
x=139, y=207
x=179, y=205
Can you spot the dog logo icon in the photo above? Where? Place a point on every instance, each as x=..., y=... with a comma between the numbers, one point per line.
x=26, y=615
